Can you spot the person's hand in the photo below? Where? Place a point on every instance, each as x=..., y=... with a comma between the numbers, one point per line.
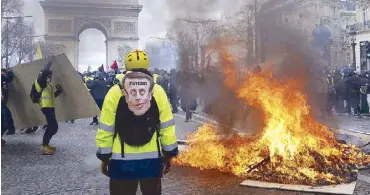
x=167, y=166
x=59, y=88
x=104, y=168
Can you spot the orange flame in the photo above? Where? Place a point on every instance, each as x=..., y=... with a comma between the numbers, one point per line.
x=293, y=147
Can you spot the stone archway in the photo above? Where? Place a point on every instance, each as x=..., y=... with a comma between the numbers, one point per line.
x=66, y=19
x=84, y=24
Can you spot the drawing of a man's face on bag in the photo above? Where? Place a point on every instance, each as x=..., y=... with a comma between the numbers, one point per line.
x=138, y=89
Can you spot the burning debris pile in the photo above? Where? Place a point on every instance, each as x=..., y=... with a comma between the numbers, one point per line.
x=293, y=148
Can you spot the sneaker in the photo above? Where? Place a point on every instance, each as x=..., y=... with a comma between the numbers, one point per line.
x=31, y=130
x=44, y=127
x=27, y=131
x=72, y=121
x=47, y=150
x=53, y=148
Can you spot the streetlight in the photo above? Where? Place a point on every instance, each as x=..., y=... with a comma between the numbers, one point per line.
x=7, y=35
x=353, y=39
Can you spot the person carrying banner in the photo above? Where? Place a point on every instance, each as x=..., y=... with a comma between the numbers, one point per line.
x=43, y=89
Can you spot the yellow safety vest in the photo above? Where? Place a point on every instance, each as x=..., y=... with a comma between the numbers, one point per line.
x=138, y=154
x=119, y=77
x=87, y=79
x=47, y=99
x=155, y=77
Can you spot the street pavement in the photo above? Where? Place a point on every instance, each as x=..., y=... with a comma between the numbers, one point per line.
x=75, y=168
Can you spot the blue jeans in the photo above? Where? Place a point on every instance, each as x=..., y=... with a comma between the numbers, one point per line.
x=7, y=122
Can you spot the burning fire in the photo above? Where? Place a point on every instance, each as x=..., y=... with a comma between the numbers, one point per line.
x=293, y=148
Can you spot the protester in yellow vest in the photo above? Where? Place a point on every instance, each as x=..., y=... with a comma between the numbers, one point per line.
x=136, y=137
x=119, y=78
x=47, y=93
x=87, y=78
x=156, y=76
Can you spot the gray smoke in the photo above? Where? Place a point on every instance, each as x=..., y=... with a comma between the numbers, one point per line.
x=293, y=59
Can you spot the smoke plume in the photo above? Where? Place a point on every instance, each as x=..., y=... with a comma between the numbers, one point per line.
x=282, y=48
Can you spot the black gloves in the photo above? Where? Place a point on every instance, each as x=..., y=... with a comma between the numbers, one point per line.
x=48, y=64
x=58, y=91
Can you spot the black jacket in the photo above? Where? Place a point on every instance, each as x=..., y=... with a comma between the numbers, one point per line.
x=98, y=88
x=5, y=79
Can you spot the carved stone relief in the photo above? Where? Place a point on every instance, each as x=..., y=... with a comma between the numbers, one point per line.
x=124, y=27
x=48, y=49
x=62, y=26
x=90, y=12
x=81, y=21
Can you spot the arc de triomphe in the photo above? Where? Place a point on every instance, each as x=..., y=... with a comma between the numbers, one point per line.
x=65, y=20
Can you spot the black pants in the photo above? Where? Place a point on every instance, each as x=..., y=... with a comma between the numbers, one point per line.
x=354, y=102
x=188, y=113
x=99, y=103
x=52, y=125
x=148, y=186
x=339, y=102
x=329, y=102
x=173, y=99
x=7, y=122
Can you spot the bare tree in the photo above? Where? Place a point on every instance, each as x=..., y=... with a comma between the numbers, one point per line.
x=363, y=3
x=26, y=46
x=11, y=7
x=192, y=37
x=17, y=35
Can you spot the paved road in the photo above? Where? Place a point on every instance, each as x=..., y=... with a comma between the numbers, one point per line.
x=75, y=169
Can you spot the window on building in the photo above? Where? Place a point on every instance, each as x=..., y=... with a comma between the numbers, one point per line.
x=334, y=9
x=286, y=21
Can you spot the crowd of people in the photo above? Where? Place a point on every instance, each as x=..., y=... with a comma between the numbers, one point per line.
x=344, y=92
x=179, y=86
x=136, y=137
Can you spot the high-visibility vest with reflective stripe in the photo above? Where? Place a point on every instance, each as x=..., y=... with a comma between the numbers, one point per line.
x=119, y=77
x=155, y=77
x=47, y=99
x=87, y=79
x=124, y=167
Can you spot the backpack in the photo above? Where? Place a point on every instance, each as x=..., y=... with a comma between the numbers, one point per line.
x=134, y=130
x=35, y=96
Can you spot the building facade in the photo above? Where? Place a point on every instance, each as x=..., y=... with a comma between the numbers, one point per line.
x=306, y=16
x=359, y=33
x=162, y=54
x=65, y=20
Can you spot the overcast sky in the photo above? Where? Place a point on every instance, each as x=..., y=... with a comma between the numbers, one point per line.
x=153, y=21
